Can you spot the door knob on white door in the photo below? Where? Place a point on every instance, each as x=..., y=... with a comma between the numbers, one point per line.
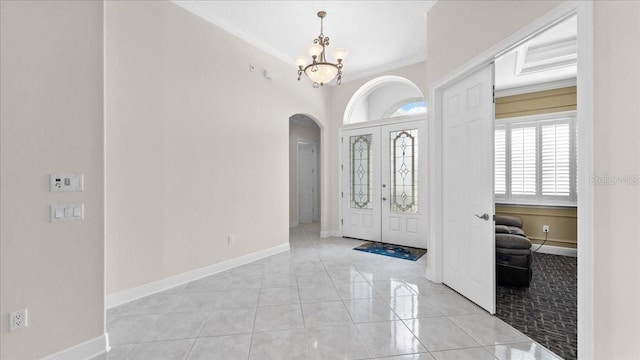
x=484, y=216
x=384, y=199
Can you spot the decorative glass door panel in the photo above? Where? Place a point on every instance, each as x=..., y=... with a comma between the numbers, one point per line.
x=403, y=145
x=360, y=171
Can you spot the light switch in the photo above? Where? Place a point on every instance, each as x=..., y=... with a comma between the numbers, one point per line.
x=67, y=212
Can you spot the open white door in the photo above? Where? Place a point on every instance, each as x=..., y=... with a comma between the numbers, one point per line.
x=467, y=197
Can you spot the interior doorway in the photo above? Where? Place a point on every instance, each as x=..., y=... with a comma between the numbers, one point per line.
x=305, y=194
x=584, y=144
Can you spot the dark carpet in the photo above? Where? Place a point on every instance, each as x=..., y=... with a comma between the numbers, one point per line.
x=547, y=310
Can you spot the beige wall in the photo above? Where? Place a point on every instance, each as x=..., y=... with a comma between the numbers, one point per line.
x=539, y=102
x=51, y=103
x=458, y=31
x=339, y=98
x=299, y=132
x=197, y=145
x=563, y=223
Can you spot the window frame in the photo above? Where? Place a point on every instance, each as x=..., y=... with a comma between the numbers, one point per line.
x=539, y=121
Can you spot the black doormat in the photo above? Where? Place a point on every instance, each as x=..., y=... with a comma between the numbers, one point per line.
x=547, y=310
x=397, y=251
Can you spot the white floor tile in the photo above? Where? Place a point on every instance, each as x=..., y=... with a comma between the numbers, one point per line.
x=280, y=345
x=440, y=333
x=221, y=348
x=320, y=300
x=522, y=351
x=336, y=342
x=389, y=339
x=488, y=330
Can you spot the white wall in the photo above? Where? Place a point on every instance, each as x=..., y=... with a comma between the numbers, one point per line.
x=197, y=146
x=51, y=111
x=297, y=132
x=458, y=31
x=617, y=154
x=339, y=98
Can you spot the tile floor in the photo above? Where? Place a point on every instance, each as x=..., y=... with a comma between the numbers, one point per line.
x=321, y=300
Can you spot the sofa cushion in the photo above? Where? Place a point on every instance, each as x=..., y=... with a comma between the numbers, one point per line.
x=502, y=229
x=510, y=241
x=508, y=220
x=516, y=231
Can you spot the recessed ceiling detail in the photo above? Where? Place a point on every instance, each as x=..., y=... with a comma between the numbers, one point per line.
x=549, y=57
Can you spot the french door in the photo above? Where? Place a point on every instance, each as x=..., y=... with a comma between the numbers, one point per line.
x=382, y=170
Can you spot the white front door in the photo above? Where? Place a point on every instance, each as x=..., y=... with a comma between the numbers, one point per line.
x=381, y=196
x=467, y=197
x=306, y=175
x=361, y=183
x=403, y=200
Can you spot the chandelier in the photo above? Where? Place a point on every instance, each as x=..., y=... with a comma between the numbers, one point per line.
x=321, y=71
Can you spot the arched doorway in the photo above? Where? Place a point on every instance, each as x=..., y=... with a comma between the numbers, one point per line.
x=305, y=137
x=383, y=163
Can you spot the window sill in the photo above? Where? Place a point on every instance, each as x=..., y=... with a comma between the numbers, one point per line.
x=536, y=204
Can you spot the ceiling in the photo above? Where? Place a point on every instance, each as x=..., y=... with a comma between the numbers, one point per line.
x=379, y=35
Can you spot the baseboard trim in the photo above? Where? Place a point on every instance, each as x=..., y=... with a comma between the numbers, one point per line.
x=556, y=250
x=138, y=292
x=293, y=224
x=83, y=351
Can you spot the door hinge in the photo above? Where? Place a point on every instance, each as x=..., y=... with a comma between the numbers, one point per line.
x=494, y=94
x=342, y=140
x=341, y=221
x=342, y=194
x=341, y=167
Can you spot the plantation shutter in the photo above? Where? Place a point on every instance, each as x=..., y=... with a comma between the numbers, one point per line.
x=500, y=162
x=523, y=160
x=556, y=159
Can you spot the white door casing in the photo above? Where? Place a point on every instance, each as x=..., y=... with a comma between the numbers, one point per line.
x=467, y=182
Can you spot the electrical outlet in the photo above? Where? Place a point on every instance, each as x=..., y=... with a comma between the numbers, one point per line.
x=18, y=320
x=230, y=239
x=545, y=228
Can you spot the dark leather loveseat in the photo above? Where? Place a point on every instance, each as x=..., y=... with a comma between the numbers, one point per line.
x=513, y=252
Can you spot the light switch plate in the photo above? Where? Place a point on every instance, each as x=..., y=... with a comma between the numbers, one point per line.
x=67, y=212
x=59, y=183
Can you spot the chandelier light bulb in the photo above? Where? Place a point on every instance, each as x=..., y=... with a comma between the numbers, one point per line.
x=340, y=54
x=314, y=50
x=301, y=61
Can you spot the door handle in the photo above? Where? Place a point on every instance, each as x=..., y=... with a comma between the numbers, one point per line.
x=484, y=216
x=384, y=199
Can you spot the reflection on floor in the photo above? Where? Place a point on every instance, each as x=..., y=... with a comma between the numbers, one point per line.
x=321, y=300
x=546, y=311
